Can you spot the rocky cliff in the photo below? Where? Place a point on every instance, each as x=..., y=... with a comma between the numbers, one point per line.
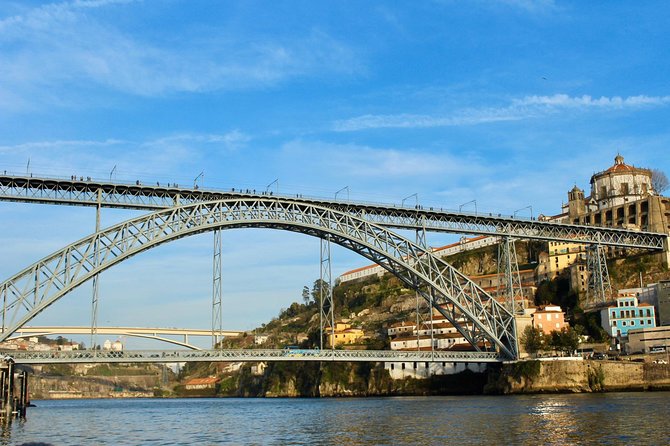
x=557, y=376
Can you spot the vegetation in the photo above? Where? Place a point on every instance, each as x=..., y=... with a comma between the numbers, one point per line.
x=525, y=369
x=565, y=340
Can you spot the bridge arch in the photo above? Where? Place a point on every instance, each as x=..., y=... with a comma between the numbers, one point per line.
x=476, y=315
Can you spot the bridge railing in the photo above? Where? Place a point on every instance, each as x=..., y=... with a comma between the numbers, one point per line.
x=127, y=195
x=246, y=355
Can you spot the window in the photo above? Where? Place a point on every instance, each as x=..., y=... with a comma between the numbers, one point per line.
x=613, y=314
x=649, y=321
x=648, y=312
x=623, y=323
x=614, y=323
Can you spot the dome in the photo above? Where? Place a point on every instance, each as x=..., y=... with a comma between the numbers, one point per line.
x=620, y=166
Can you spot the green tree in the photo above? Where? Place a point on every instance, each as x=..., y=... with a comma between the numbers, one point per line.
x=317, y=287
x=532, y=340
x=305, y=295
x=566, y=340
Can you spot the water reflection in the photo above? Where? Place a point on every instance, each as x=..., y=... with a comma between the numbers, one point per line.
x=639, y=418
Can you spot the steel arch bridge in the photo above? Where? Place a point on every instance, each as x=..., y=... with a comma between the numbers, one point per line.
x=483, y=321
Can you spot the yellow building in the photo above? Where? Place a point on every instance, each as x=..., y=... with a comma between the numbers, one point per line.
x=344, y=334
x=561, y=255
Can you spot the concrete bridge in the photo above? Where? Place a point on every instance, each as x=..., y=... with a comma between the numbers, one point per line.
x=159, y=334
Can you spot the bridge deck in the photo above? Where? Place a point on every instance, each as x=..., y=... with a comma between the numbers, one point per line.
x=240, y=355
x=149, y=197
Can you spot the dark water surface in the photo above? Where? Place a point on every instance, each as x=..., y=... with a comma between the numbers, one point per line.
x=582, y=419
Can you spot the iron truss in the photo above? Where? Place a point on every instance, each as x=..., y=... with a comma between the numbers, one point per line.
x=252, y=355
x=149, y=197
x=484, y=322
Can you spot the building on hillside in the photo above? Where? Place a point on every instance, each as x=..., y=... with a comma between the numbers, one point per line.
x=491, y=282
x=663, y=302
x=344, y=334
x=648, y=340
x=201, y=383
x=560, y=255
x=628, y=314
x=549, y=318
x=464, y=244
x=260, y=339
x=423, y=370
x=621, y=196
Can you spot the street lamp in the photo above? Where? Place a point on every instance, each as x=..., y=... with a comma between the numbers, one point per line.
x=276, y=183
x=464, y=204
x=195, y=181
x=415, y=195
x=341, y=190
x=527, y=207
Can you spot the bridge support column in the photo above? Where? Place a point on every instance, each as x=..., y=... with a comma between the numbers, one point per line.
x=94, y=300
x=423, y=307
x=599, y=287
x=327, y=309
x=509, y=280
x=217, y=313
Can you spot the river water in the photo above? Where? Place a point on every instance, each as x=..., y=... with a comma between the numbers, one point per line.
x=575, y=419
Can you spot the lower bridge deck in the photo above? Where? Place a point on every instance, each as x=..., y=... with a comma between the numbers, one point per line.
x=245, y=355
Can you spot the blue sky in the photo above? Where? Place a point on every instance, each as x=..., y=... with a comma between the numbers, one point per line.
x=509, y=103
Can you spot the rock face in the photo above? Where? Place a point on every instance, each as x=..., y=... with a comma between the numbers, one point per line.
x=62, y=387
x=578, y=376
x=341, y=379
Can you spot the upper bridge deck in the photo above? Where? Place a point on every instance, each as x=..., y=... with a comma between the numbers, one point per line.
x=91, y=192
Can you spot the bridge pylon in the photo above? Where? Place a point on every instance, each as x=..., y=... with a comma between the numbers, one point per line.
x=599, y=290
x=326, y=305
x=509, y=279
x=217, y=310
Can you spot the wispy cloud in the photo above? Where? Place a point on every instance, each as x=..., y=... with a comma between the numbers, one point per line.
x=357, y=161
x=71, y=46
x=524, y=108
x=97, y=157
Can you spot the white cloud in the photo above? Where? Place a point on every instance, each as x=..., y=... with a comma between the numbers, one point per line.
x=524, y=108
x=172, y=153
x=66, y=47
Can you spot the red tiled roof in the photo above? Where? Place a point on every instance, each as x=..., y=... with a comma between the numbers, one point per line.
x=200, y=381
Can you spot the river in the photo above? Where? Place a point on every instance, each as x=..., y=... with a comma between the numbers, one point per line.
x=575, y=419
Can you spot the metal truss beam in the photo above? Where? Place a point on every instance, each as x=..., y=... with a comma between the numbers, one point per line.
x=253, y=355
x=326, y=304
x=137, y=196
x=217, y=310
x=488, y=325
x=599, y=289
x=509, y=280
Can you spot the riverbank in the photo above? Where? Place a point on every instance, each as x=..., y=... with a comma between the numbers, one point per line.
x=556, y=375
x=577, y=376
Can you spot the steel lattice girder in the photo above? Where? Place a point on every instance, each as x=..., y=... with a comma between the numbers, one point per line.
x=87, y=193
x=476, y=315
x=250, y=355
